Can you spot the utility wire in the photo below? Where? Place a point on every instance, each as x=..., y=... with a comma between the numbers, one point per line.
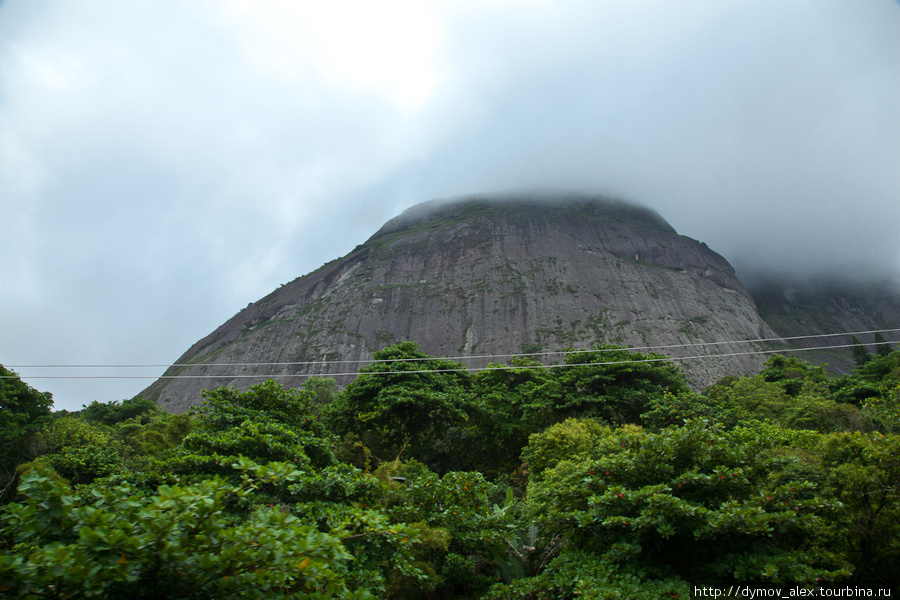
x=472, y=370
x=468, y=357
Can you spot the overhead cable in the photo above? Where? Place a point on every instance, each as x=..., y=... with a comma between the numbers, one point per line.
x=469, y=370
x=471, y=357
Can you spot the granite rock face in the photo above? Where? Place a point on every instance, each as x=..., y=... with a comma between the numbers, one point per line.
x=489, y=276
x=810, y=314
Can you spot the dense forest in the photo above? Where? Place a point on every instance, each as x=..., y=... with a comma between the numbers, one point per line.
x=605, y=476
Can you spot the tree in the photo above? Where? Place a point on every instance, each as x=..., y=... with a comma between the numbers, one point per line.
x=873, y=379
x=265, y=423
x=324, y=389
x=674, y=409
x=861, y=354
x=570, y=440
x=80, y=451
x=863, y=473
x=882, y=347
x=457, y=516
x=609, y=384
x=149, y=435
x=792, y=374
x=111, y=413
x=510, y=400
x=885, y=409
x=790, y=402
x=687, y=504
x=407, y=402
x=23, y=411
x=176, y=542
x=612, y=384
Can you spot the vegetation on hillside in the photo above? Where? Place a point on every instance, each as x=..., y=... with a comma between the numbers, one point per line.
x=601, y=477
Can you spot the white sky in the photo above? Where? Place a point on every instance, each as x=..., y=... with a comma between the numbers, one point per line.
x=164, y=163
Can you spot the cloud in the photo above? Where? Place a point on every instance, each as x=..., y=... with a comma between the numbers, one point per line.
x=164, y=163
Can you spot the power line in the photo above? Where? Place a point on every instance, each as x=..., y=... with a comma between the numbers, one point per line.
x=466, y=357
x=471, y=370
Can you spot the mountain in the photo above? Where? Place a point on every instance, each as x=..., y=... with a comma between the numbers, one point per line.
x=483, y=277
x=812, y=308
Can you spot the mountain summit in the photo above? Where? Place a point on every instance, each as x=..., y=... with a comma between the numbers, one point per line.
x=488, y=278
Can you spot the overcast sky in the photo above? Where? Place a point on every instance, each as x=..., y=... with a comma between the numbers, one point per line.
x=164, y=163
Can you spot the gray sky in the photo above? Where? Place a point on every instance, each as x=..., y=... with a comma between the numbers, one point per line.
x=164, y=163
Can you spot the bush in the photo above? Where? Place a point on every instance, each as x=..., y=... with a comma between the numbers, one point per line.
x=175, y=543
x=698, y=502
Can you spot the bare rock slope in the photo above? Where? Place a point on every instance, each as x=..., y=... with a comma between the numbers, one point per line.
x=810, y=314
x=480, y=277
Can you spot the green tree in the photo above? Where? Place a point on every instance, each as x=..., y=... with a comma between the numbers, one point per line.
x=23, y=411
x=80, y=451
x=111, y=413
x=687, y=504
x=324, y=389
x=863, y=474
x=885, y=409
x=792, y=374
x=609, y=384
x=789, y=402
x=458, y=515
x=572, y=439
x=612, y=384
x=510, y=401
x=408, y=402
x=148, y=437
x=176, y=542
x=674, y=409
x=882, y=347
x=875, y=378
x=861, y=354
x=266, y=423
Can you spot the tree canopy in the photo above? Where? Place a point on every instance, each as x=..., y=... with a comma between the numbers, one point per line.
x=604, y=476
x=23, y=410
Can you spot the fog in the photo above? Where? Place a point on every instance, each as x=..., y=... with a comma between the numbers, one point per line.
x=162, y=164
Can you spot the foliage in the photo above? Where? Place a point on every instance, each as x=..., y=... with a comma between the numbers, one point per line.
x=863, y=474
x=570, y=440
x=456, y=508
x=882, y=346
x=112, y=413
x=696, y=502
x=790, y=402
x=79, y=451
x=861, y=354
x=579, y=574
x=609, y=384
x=265, y=423
x=407, y=402
x=613, y=385
x=510, y=408
x=384, y=553
x=670, y=409
x=792, y=374
x=520, y=481
x=885, y=409
x=751, y=398
x=324, y=389
x=23, y=411
x=876, y=378
x=177, y=543
x=146, y=437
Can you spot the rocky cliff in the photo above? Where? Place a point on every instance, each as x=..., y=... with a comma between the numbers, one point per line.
x=479, y=277
x=813, y=308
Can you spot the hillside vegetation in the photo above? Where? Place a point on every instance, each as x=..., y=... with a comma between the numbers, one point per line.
x=605, y=476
